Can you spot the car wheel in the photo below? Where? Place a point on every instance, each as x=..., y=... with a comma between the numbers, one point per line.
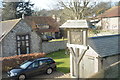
x=21, y=77
x=49, y=70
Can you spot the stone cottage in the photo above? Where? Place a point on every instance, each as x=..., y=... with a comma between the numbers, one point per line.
x=17, y=38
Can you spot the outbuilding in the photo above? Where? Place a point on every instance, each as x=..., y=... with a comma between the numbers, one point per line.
x=103, y=51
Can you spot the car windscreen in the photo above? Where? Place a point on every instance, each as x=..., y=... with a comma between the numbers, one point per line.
x=25, y=65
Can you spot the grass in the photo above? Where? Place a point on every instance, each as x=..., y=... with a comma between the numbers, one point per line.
x=62, y=60
x=57, y=40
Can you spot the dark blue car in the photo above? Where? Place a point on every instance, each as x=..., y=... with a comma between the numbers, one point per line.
x=33, y=67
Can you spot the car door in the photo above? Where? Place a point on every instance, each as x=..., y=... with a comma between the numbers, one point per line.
x=43, y=65
x=33, y=69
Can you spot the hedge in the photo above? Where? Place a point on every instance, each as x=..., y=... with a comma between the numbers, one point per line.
x=13, y=61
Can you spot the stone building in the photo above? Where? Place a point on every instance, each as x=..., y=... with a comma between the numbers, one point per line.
x=17, y=38
x=44, y=25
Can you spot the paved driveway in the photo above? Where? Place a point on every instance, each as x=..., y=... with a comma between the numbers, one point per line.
x=55, y=74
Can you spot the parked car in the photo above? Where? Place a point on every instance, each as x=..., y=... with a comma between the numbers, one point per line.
x=33, y=67
x=46, y=38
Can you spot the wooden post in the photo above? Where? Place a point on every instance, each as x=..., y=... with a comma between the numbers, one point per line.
x=77, y=43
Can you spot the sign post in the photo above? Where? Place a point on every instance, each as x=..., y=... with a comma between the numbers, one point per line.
x=77, y=43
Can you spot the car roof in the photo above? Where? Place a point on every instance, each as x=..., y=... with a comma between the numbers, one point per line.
x=43, y=58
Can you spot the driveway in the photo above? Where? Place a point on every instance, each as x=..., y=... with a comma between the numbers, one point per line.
x=55, y=74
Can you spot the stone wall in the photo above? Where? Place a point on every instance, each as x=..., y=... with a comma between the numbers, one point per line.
x=9, y=42
x=107, y=61
x=48, y=47
x=35, y=43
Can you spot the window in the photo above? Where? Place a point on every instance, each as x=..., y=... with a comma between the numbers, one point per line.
x=42, y=62
x=23, y=44
x=50, y=61
x=33, y=65
x=25, y=65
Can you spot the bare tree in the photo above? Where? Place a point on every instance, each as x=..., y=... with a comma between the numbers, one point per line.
x=77, y=9
x=101, y=7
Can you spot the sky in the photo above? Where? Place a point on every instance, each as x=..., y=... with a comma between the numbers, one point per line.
x=50, y=4
x=41, y=4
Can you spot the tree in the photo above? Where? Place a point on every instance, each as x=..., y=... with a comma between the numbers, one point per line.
x=101, y=8
x=13, y=10
x=24, y=8
x=76, y=9
x=9, y=10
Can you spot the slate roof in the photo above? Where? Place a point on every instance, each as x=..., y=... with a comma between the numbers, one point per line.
x=112, y=12
x=105, y=45
x=33, y=20
x=6, y=27
x=75, y=24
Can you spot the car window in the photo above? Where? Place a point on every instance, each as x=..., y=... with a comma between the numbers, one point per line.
x=42, y=62
x=50, y=61
x=33, y=65
x=25, y=65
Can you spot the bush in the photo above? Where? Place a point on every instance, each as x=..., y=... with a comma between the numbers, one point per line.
x=13, y=61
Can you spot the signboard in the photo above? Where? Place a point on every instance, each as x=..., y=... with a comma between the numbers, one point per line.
x=76, y=37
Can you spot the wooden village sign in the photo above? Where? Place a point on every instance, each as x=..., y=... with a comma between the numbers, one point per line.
x=77, y=43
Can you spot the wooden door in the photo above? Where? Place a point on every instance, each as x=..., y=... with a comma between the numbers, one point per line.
x=87, y=67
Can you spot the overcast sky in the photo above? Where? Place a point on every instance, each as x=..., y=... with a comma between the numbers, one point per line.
x=50, y=4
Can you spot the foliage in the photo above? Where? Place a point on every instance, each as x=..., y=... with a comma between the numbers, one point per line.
x=13, y=61
x=94, y=31
x=62, y=60
x=101, y=8
x=9, y=10
x=24, y=8
x=13, y=10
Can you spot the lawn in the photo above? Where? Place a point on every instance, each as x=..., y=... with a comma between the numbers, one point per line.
x=58, y=40
x=62, y=60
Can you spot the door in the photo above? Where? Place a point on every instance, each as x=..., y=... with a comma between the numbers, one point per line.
x=33, y=69
x=23, y=44
x=43, y=65
x=88, y=67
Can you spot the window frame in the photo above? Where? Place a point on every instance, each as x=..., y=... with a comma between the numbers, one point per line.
x=19, y=43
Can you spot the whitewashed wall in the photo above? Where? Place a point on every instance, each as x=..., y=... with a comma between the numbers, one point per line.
x=88, y=66
x=110, y=23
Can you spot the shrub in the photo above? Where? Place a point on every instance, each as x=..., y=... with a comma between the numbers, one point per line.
x=13, y=61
